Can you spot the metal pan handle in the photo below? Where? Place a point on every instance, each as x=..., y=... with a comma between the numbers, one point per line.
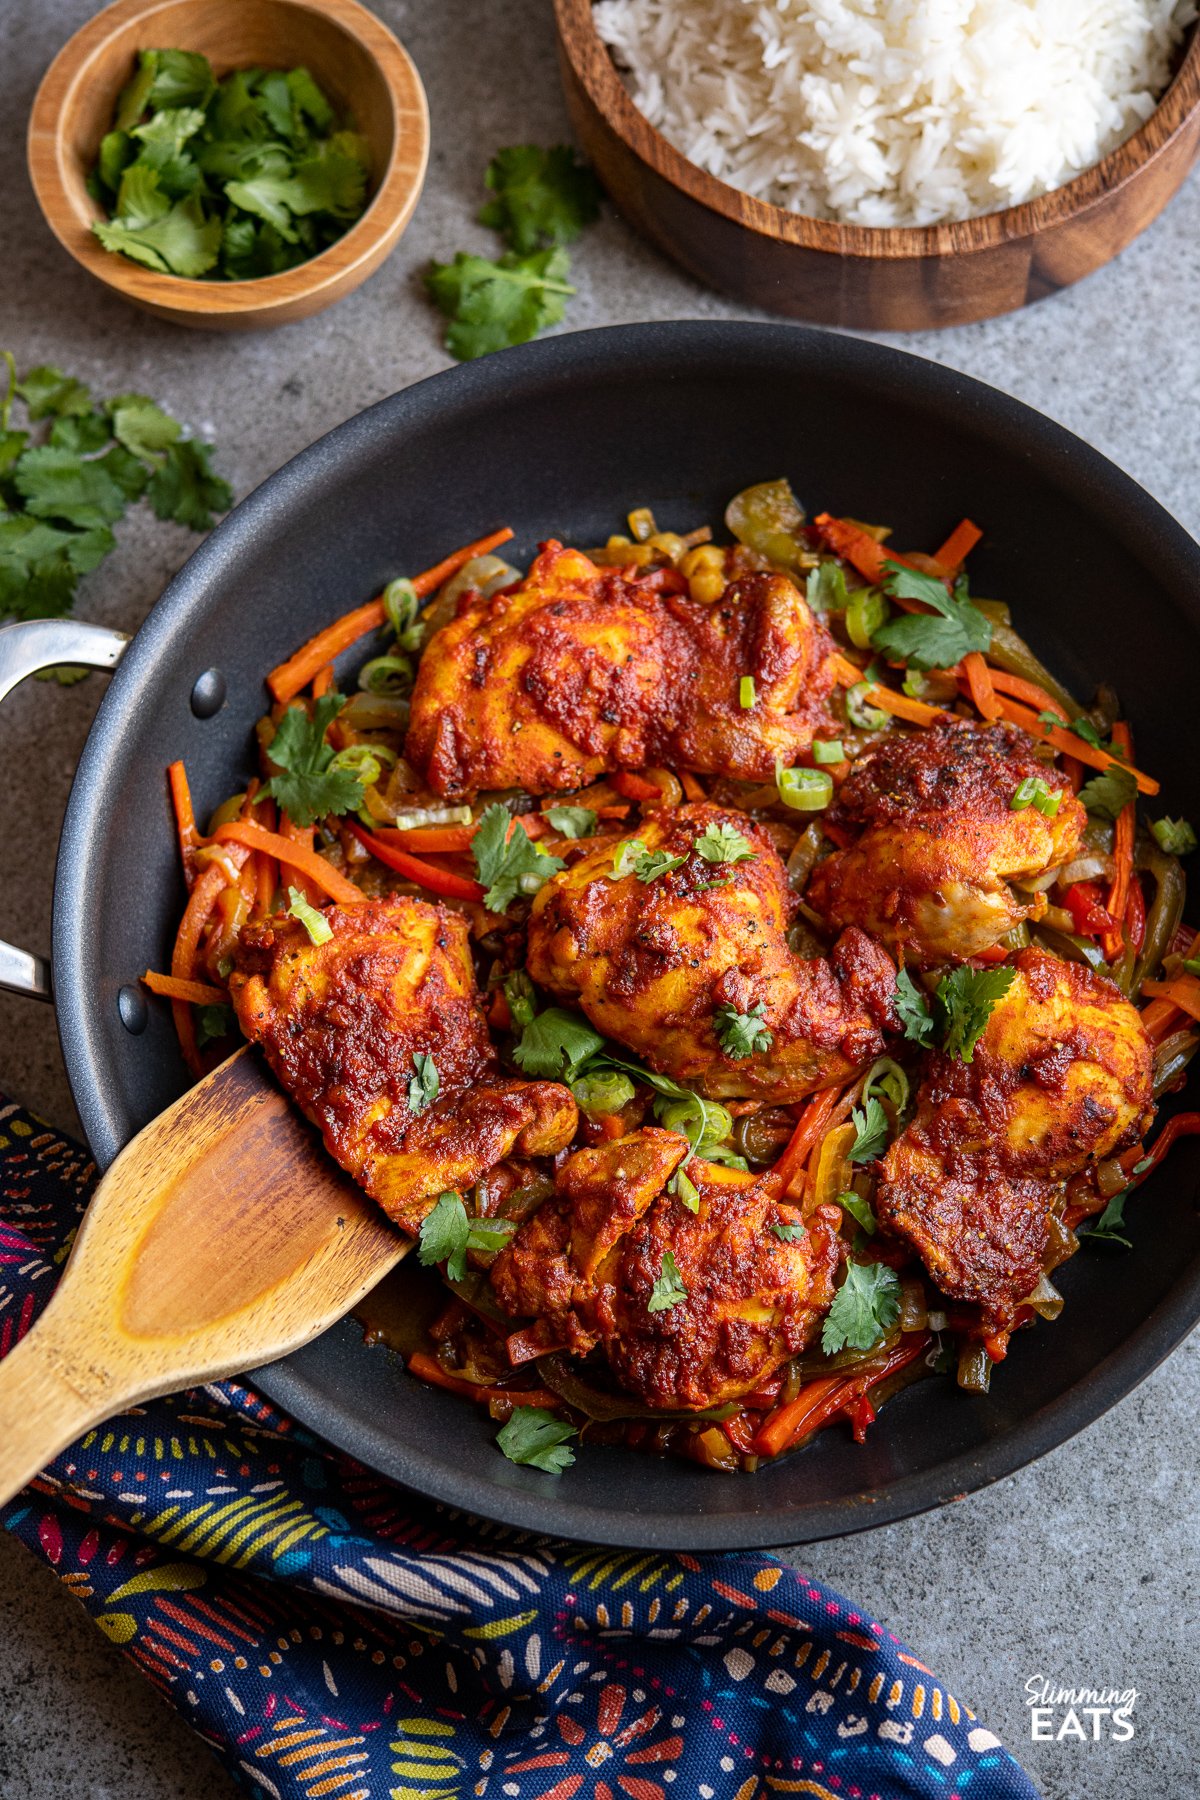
x=26, y=649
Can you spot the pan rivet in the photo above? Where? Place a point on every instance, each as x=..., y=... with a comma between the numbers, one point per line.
x=208, y=695
x=131, y=1005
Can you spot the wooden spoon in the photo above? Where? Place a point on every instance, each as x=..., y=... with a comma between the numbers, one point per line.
x=221, y=1238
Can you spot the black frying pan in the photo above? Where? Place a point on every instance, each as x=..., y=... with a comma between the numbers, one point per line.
x=563, y=437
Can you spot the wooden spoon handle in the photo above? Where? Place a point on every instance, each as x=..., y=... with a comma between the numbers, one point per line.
x=41, y=1407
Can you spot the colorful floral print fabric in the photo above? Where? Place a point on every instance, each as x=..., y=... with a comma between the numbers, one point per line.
x=328, y=1635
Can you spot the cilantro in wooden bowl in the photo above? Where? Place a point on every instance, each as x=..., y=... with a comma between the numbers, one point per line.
x=255, y=171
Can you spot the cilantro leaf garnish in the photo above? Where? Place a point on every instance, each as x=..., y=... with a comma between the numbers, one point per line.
x=724, y=844
x=1107, y=795
x=555, y=1044
x=507, y=860
x=541, y=196
x=859, y=1210
x=668, y=1290
x=633, y=858
x=307, y=788
x=913, y=1011
x=537, y=1439
x=314, y=922
x=572, y=821
x=212, y=1024
x=965, y=999
x=1080, y=727
x=493, y=305
x=424, y=1082
x=742, y=1034
x=1106, y=1230
x=864, y=1309
x=788, y=1231
x=934, y=640
x=447, y=1233
x=871, y=1128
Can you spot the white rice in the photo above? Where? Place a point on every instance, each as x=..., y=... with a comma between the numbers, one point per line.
x=895, y=112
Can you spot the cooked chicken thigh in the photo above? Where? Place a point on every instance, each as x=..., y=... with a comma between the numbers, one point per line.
x=1061, y=1077
x=579, y=671
x=666, y=965
x=342, y=1024
x=940, y=840
x=738, y=1302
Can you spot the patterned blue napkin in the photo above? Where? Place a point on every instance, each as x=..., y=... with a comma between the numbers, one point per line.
x=329, y=1635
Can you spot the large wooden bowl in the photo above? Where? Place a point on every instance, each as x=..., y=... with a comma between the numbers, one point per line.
x=367, y=75
x=903, y=279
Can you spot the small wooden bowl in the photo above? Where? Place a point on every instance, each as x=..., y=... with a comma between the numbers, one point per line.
x=902, y=279
x=367, y=75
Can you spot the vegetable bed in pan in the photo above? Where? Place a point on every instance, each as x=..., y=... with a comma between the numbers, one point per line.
x=566, y=436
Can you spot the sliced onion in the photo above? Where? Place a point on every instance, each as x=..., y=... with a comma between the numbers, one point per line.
x=1172, y=1057
x=486, y=574
x=1085, y=868
x=974, y=1369
x=1061, y=1243
x=1111, y=1178
x=914, y=1315
x=1045, y=1299
x=805, y=851
x=937, y=1321
x=432, y=815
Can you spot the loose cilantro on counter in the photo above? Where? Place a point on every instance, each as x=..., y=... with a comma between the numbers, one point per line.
x=233, y=179
x=65, y=486
x=543, y=200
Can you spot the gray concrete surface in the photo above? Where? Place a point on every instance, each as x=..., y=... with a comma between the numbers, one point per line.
x=1086, y=1567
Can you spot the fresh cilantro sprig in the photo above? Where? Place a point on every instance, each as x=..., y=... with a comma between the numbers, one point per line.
x=212, y=1024
x=724, y=844
x=788, y=1231
x=633, y=858
x=555, y=1045
x=871, y=1129
x=1107, y=795
x=447, y=1233
x=543, y=200
x=507, y=861
x=959, y=1013
x=668, y=1289
x=537, y=1439
x=573, y=821
x=1108, y=1227
x=1175, y=836
x=934, y=640
x=308, y=787
x=742, y=1034
x=64, y=487
x=424, y=1083
x=864, y=1309
x=542, y=197
x=234, y=179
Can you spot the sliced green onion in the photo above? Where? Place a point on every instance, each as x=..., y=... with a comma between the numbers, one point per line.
x=390, y=675
x=402, y=607
x=1034, y=792
x=366, y=761
x=828, y=750
x=315, y=923
x=859, y=710
x=867, y=611
x=600, y=1095
x=746, y=694
x=1192, y=964
x=805, y=790
x=1175, y=836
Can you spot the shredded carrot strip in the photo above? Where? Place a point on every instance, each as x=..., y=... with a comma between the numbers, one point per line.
x=821, y=1401
x=690, y=785
x=201, y=901
x=174, y=987
x=1158, y=1019
x=1183, y=990
x=979, y=685
x=1020, y=689
x=427, y=875
x=635, y=787
x=1113, y=942
x=185, y=819
x=958, y=546
x=427, y=1368
x=289, y=875
x=309, y=862
x=286, y=681
x=1070, y=745
x=442, y=839
x=810, y=1128
x=322, y=681
x=917, y=712
x=858, y=547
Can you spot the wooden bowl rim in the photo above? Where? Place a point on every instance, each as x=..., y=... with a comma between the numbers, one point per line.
x=388, y=213
x=595, y=69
